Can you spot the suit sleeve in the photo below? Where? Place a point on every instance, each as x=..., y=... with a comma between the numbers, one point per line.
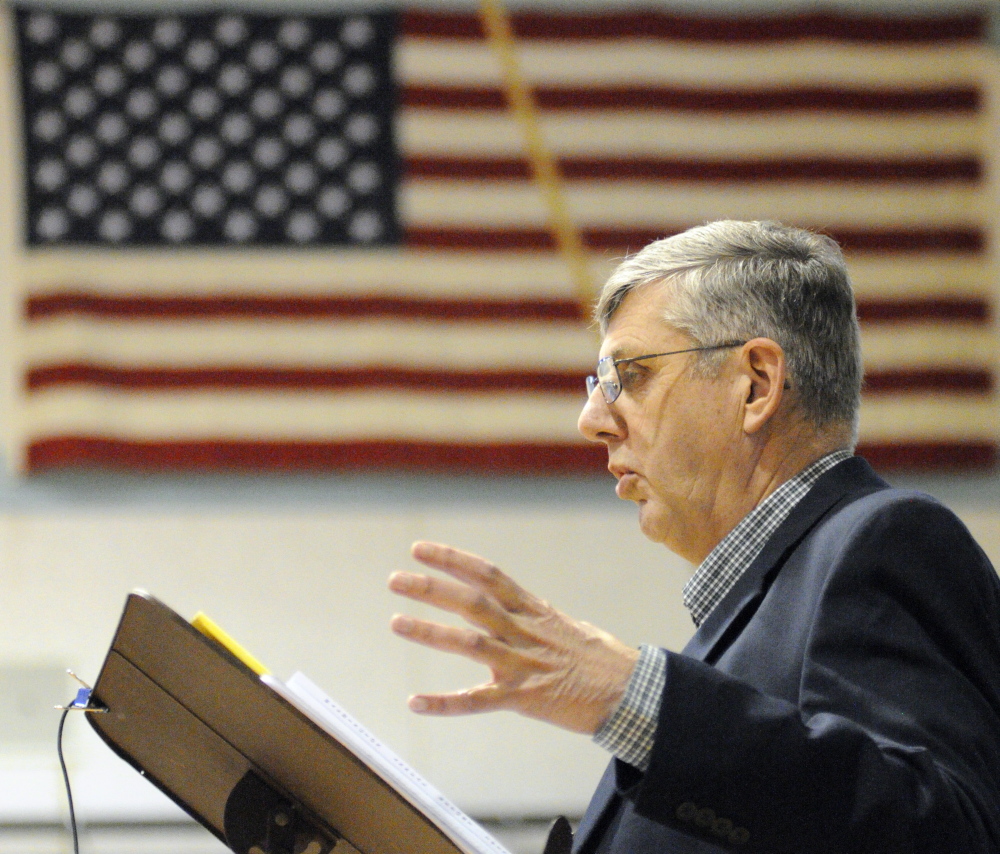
x=892, y=743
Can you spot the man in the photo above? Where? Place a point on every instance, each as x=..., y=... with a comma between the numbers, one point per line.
x=842, y=691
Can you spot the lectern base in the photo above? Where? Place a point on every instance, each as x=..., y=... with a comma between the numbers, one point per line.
x=259, y=820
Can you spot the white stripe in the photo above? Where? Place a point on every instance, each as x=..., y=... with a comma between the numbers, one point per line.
x=919, y=275
x=305, y=416
x=928, y=418
x=11, y=234
x=451, y=345
x=433, y=417
x=314, y=344
x=391, y=273
x=627, y=203
x=927, y=345
x=641, y=62
x=407, y=273
x=695, y=135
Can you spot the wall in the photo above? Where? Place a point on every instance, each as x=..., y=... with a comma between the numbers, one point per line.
x=298, y=575
x=295, y=568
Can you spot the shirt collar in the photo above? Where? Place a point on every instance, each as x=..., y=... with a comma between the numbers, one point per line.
x=733, y=555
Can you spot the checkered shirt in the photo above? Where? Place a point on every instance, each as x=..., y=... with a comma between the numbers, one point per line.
x=738, y=549
x=629, y=732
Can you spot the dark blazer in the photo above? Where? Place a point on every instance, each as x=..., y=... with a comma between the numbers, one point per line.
x=843, y=697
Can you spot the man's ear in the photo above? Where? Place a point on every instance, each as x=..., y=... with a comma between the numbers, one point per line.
x=762, y=361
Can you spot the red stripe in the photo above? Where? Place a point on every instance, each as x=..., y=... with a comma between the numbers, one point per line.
x=868, y=29
x=250, y=456
x=533, y=459
x=930, y=309
x=930, y=380
x=619, y=240
x=301, y=307
x=930, y=456
x=937, y=100
x=69, y=302
x=658, y=169
x=371, y=378
x=306, y=379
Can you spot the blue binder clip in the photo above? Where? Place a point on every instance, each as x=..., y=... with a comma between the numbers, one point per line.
x=81, y=703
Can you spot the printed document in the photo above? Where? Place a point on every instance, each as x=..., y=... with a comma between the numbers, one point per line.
x=309, y=699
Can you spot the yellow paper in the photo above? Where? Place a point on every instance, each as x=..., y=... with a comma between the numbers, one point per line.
x=208, y=627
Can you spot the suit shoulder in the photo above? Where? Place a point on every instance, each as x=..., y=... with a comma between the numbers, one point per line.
x=905, y=533
x=888, y=510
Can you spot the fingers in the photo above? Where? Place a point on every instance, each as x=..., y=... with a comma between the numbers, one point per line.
x=543, y=664
x=466, y=642
x=472, y=605
x=477, y=572
x=482, y=698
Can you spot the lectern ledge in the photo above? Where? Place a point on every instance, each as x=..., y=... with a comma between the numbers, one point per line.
x=268, y=767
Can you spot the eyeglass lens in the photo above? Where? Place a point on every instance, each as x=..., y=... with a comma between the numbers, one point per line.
x=607, y=378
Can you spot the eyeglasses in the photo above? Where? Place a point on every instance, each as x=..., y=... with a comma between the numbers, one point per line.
x=610, y=381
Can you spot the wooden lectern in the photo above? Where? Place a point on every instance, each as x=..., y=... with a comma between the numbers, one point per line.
x=246, y=763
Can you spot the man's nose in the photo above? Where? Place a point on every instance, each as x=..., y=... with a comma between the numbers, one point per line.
x=597, y=422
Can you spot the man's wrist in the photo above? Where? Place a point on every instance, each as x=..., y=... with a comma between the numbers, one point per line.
x=630, y=730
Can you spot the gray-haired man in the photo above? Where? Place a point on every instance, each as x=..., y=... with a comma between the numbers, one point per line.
x=842, y=692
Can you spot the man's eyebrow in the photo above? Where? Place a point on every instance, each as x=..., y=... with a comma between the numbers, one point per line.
x=620, y=352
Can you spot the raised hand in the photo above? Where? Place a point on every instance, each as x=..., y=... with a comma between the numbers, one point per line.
x=543, y=663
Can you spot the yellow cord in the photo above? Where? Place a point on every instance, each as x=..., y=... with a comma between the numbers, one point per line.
x=500, y=33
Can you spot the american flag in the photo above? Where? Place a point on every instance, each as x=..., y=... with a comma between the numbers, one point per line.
x=267, y=242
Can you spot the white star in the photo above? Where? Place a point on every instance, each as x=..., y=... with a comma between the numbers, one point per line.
x=144, y=152
x=112, y=177
x=365, y=226
x=205, y=103
x=331, y=152
x=325, y=57
x=359, y=80
x=75, y=54
x=207, y=200
x=231, y=30
x=50, y=175
x=263, y=56
x=168, y=33
x=42, y=28
x=82, y=200
x=46, y=76
x=177, y=226
x=139, y=55
x=104, y=33
x=145, y=200
x=240, y=226
x=357, y=32
x=109, y=80
x=81, y=150
x=234, y=79
x=201, y=55
x=115, y=226
x=49, y=125
x=328, y=104
x=293, y=34
x=52, y=224
x=302, y=227
x=111, y=128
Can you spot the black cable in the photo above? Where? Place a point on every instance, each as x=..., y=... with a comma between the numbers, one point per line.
x=69, y=792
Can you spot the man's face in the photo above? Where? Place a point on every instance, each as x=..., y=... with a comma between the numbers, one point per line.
x=671, y=434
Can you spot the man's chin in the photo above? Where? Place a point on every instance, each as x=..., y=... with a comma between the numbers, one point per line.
x=651, y=523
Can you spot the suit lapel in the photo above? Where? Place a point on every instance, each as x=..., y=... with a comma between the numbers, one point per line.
x=850, y=479
x=603, y=802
